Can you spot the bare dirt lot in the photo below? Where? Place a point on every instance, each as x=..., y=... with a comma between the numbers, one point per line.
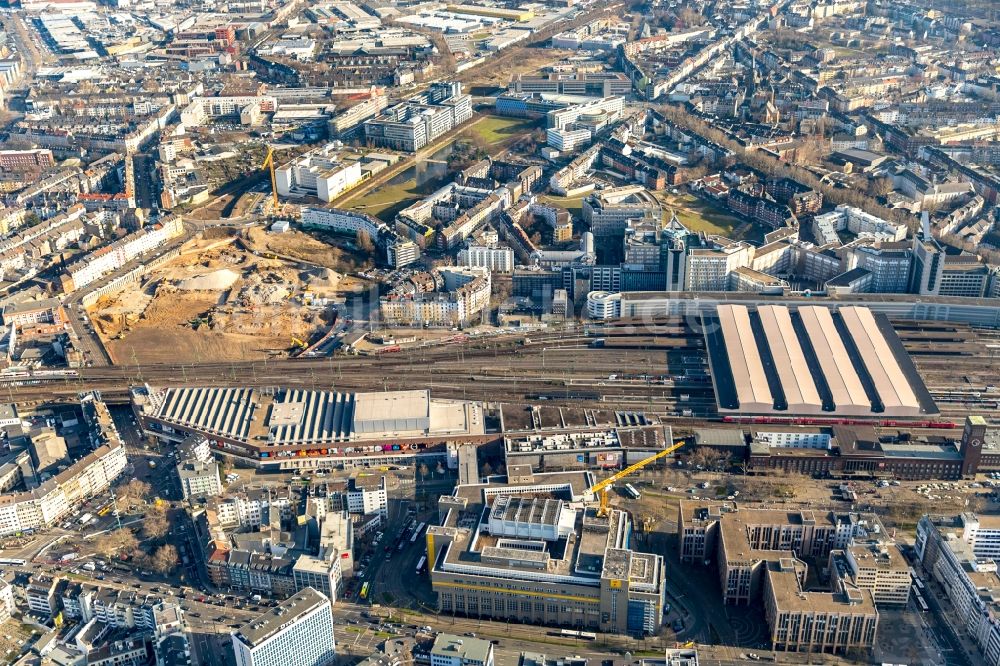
x=220, y=301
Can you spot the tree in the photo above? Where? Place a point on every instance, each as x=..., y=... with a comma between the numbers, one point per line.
x=118, y=542
x=164, y=559
x=486, y=470
x=364, y=241
x=881, y=187
x=134, y=492
x=155, y=525
x=423, y=471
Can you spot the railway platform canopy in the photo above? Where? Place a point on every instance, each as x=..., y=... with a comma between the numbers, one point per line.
x=811, y=360
x=297, y=417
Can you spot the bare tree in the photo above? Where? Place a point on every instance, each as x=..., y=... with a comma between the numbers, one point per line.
x=164, y=559
x=118, y=542
x=364, y=241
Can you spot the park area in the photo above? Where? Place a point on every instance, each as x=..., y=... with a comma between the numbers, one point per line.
x=700, y=216
x=430, y=169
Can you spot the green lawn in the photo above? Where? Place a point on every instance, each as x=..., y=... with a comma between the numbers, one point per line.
x=497, y=129
x=385, y=201
x=573, y=204
x=697, y=215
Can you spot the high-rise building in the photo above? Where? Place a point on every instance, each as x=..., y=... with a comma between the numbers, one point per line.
x=299, y=630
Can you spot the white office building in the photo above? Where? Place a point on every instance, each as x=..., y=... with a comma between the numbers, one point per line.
x=299, y=630
x=451, y=650
x=367, y=498
x=320, y=174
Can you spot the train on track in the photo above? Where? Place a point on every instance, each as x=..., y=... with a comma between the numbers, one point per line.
x=814, y=420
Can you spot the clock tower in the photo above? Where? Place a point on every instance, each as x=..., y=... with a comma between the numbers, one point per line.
x=973, y=436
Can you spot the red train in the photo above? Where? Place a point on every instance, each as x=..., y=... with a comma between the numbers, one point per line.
x=820, y=421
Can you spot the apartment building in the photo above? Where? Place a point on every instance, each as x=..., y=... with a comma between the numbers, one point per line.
x=104, y=260
x=17, y=160
x=536, y=559
x=401, y=252
x=250, y=508
x=54, y=498
x=45, y=311
x=497, y=259
x=199, y=479
x=342, y=221
x=465, y=293
x=299, y=630
x=366, y=496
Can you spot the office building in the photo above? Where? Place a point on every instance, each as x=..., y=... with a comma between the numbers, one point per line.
x=607, y=211
x=412, y=124
x=535, y=558
x=366, y=495
x=757, y=553
x=874, y=565
x=960, y=553
x=320, y=174
x=299, y=630
x=451, y=650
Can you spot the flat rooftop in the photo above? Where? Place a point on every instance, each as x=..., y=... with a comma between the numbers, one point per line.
x=296, y=416
x=811, y=360
x=266, y=625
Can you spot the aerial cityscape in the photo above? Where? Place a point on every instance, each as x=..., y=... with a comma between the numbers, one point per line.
x=499, y=333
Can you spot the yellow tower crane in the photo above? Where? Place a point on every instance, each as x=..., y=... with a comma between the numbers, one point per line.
x=269, y=164
x=601, y=488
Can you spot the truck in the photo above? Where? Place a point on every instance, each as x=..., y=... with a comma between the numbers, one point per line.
x=256, y=598
x=86, y=518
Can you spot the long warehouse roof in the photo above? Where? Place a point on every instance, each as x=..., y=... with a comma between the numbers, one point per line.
x=789, y=360
x=846, y=390
x=752, y=388
x=889, y=381
x=812, y=360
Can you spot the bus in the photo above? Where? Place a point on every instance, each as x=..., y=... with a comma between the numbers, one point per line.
x=421, y=564
x=919, y=583
x=6, y=561
x=588, y=635
x=364, y=590
x=923, y=604
x=632, y=492
x=416, y=532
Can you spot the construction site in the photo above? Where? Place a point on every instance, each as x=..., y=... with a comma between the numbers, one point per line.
x=228, y=297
